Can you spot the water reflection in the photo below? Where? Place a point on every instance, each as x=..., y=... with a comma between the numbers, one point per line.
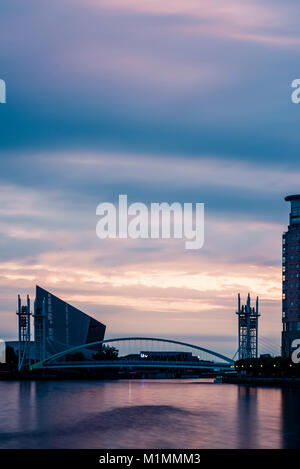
x=147, y=414
x=247, y=417
x=290, y=418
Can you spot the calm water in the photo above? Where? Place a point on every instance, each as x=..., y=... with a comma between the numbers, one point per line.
x=147, y=414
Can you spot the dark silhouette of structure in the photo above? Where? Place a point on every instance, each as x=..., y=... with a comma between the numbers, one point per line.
x=247, y=329
x=291, y=278
x=58, y=326
x=23, y=314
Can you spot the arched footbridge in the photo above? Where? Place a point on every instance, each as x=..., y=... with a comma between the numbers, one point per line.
x=137, y=353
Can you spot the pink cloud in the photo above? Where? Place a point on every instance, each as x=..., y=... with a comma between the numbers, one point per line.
x=241, y=21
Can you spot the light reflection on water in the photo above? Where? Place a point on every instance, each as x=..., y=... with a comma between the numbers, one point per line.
x=147, y=414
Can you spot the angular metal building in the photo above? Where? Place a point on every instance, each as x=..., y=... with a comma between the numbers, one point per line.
x=59, y=326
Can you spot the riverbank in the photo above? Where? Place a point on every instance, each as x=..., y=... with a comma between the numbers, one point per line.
x=262, y=381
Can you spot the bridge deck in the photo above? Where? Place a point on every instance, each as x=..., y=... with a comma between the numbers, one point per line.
x=136, y=364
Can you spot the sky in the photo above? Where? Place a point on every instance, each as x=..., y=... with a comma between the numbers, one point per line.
x=182, y=101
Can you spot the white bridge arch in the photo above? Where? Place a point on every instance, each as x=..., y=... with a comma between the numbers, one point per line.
x=49, y=361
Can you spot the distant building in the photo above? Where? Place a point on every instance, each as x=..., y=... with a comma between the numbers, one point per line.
x=168, y=356
x=265, y=355
x=12, y=351
x=178, y=356
x=291, y=278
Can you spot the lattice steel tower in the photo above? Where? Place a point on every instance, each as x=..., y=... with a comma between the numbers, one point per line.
x=24, y=314
x=248, y=329
x=40, y=330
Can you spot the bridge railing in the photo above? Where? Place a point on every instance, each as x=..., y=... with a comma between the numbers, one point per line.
x=138, y=364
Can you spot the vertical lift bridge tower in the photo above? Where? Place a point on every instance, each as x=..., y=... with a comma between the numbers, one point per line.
x=248, y=329
x=24, y=314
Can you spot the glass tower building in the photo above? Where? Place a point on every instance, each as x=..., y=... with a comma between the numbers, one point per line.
x=291, y=278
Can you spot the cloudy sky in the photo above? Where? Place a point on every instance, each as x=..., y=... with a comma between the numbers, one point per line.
x=183, y=101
